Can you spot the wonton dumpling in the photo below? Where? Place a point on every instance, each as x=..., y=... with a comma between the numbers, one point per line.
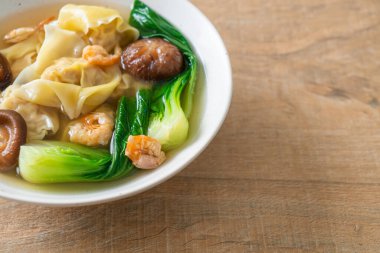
x=58, y=43
x=106, y=36
x=98, y=22
x=65, y=70
x=24, y=53
x=76, y=71
x=20, y=64
x=71, y=98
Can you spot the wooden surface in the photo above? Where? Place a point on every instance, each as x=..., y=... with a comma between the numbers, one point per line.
x=295, y=167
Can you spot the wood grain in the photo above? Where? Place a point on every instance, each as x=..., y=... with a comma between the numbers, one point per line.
x=295, y=167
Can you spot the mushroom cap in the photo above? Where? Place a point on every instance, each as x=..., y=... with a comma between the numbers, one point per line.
x=13, y=130
x=152, y=59
x=6, y=77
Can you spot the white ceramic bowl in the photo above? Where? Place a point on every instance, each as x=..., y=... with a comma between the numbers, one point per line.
x=212, y=102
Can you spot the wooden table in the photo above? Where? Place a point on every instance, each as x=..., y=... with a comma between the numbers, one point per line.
x=295, y=167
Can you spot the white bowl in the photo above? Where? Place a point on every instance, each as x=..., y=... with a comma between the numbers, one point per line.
x=212, y=102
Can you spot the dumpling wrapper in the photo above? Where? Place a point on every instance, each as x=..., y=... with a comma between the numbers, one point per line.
x=77, y=71
x=84, y=18
x=71, y=98
x=24, y=53
x=58, y=43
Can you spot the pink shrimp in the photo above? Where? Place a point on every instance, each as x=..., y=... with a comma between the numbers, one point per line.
x=145, y=152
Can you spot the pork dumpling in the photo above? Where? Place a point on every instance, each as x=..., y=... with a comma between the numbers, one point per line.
x=101, y=26
x=72, y=99
x=23, y=54
x=65, y=70
x=76, y=71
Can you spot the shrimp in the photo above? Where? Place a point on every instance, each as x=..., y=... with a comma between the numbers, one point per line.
x=97, y=55
x=44, y=22
x=94, y=129
x=145, y=152
x=20, y=34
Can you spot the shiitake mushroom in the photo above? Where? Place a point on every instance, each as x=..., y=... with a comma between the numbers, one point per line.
x=12, y=135
x=152, y=59
x=6, y=76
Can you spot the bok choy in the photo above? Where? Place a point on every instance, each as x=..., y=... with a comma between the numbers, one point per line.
x=172, y=100
x=53, y=162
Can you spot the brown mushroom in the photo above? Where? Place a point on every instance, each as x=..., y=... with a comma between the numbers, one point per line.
x=6, y=77
x=152, y=59
x=12, y=136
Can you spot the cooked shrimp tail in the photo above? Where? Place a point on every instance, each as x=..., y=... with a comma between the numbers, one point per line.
x=144, y=152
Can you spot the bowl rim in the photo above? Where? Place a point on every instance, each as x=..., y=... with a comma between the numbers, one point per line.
x=113, y=196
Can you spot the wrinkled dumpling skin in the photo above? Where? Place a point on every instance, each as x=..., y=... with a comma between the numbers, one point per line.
x=71, y=98
x=100, y=26
x=65, y=70
x=105, y=35
x=58, y=43
x=76, y=71
x=40, y=120
x=82, y=18
x=23, y=54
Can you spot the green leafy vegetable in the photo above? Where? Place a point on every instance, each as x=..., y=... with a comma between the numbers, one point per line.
x=172, y=100
x=132, y=119
x=58, y=162
x=53, y=161
x=141, y=120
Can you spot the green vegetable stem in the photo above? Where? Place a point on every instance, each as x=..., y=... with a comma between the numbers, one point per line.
x=132, y=119
x=172, y=101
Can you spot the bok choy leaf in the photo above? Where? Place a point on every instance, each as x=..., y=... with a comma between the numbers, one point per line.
x=132, y=119
x=172, y=100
